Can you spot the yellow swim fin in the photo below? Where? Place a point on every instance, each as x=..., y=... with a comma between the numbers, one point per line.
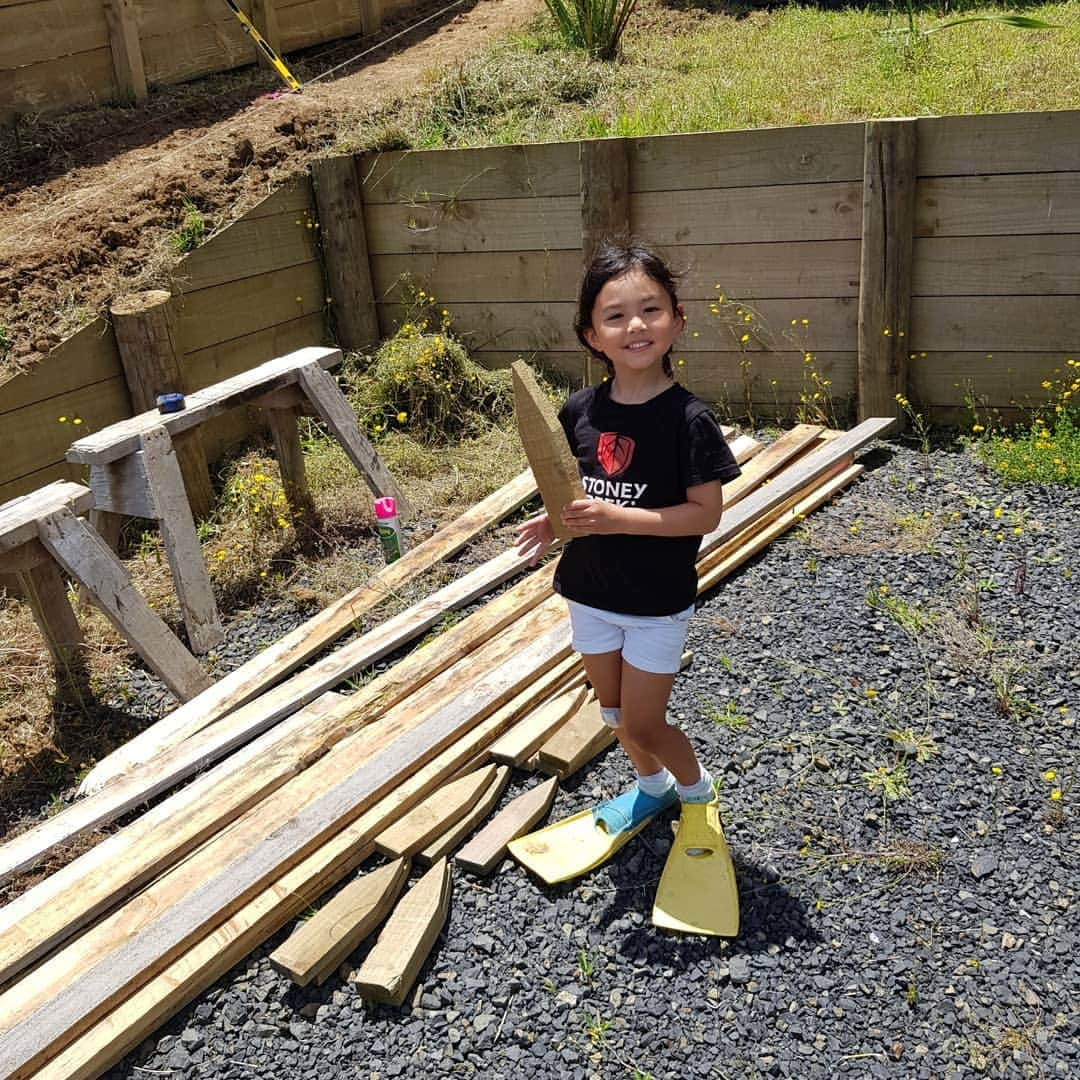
x=698, y=893
x=581, y=842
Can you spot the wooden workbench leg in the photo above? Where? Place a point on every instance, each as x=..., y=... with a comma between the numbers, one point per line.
x=181, y=541
x=46, y=590
x=329, y=402
x=108, y=526
x=290, y=456
x=86, y=557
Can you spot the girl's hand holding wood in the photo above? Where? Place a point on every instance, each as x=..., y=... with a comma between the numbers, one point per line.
x=592, y=517
x=534, y=537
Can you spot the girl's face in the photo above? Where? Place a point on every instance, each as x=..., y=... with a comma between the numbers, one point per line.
x=633, y=323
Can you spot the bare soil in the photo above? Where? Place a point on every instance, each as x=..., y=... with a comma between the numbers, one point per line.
x=89, y=201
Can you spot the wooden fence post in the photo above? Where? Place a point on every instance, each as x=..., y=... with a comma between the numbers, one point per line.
x=604, y=169
x=343, y=240
x=126, y=50
x=370, y=16
x=888, y=226
x=264, y=19
x=148, y=342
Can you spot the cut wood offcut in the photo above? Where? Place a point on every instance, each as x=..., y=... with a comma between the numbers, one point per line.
x=421, y=825
x=488, y=847
x=445, y=843
x=390, y=969
x=316, y=948
x=553, y=464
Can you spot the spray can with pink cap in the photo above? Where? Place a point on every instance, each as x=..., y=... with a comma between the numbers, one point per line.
x=388, y=527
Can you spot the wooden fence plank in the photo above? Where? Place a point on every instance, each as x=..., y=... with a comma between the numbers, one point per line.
x=885, y=266
x=749, y=215
x=995, y=324
x=250, y=247
x=204, y=367
x=815, y=268
x=89, y=356
x=238, y=308
x=49, y=29
x=1000, y=143
x=997, y=205
x=34, y=434
x=491, y=172
x=47, y=474
x=997, y=265
x=476, y=225
x=942, y=379
x=795, y=155
x=316, y=21
x=54, y=84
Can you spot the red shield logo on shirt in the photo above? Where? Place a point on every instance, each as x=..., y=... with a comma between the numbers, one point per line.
x=614, y=452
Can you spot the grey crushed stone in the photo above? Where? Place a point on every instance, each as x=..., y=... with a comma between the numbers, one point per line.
x=930, y=937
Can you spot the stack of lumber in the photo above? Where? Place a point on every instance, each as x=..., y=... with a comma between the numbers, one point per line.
x=299, y=786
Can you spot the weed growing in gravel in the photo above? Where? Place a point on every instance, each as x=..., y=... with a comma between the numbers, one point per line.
x=911, y=617
x=912, y=744
x=726, y=715
x=890, y=781
x=586, y=967
x=597, y=1028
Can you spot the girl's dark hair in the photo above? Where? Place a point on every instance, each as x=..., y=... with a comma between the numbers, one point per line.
x=612, y=260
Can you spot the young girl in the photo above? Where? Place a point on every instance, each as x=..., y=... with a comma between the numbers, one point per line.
x=652, y=460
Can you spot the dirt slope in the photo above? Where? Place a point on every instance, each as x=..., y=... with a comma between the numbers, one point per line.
x=89, y=201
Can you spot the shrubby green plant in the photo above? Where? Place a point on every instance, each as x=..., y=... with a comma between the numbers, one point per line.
x=422, y=380
x=593, y=25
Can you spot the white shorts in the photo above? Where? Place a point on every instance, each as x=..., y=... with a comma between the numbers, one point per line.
x=652, y=643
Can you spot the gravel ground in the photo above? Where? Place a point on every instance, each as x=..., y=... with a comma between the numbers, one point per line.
x=908, y=883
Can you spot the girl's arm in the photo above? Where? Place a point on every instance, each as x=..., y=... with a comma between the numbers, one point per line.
x=700, y=514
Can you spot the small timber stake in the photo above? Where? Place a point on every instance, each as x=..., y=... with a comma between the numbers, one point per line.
x=261, y=43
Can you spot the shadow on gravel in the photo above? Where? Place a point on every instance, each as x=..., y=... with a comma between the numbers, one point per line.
x=769, y=914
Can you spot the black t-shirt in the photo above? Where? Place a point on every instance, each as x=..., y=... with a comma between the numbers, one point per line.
x=639, y=455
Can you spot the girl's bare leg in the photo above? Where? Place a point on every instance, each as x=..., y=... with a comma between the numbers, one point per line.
x=605, y=672
x=644, y=697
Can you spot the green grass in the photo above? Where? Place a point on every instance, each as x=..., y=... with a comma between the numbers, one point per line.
x=694, y=70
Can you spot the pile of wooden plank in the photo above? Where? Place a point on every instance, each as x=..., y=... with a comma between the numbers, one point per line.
x=298, y=786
